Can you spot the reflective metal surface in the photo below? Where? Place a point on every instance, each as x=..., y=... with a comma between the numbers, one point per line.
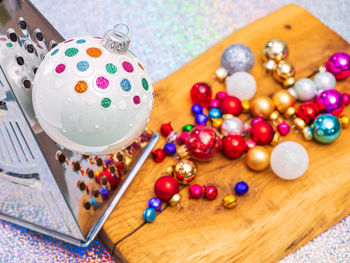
x=43, y=187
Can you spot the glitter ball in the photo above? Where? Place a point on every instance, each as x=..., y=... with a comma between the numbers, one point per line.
x=145, y=84
x=125, y=84
x=83, y=66
x=94, y=52
x=136, y=99
x=54, y=52
x=106, y=102
x=111, y=68
x=102, y=82
x=128, y=67
x=140, y=66
x=81, y=41
x=60, y=68
x=71, y=52
x=81, y=86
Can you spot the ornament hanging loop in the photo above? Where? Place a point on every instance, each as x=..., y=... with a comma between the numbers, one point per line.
x=116, y=39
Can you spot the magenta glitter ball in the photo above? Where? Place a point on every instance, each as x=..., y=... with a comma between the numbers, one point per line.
x=330, y=101
x=339, y=65
x=283, y=128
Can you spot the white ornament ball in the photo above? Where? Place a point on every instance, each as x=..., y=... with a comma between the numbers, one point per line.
x=305, y=89
x=241, y=85
x=92, y=100
x=324, y=81
x=289, y=160
x=232, y=126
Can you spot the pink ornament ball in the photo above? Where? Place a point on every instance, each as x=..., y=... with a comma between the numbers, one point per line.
x=339, y=65
x=283, y=128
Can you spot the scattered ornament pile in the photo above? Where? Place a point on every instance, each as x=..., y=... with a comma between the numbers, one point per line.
x=220, y=129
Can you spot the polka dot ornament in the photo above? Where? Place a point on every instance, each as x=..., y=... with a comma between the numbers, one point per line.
x=120, y=91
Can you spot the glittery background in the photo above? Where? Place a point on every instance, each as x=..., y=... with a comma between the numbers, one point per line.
x=165, y=35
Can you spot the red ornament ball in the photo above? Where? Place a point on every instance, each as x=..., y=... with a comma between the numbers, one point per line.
x=308, y=111
x=203, y=142
x=201, y=94
x=166, y=187
x=166, y=129
x=233, y=146
x=195, y=191
x=262, y=133
x=158, y=155
x=210, y=192
x=230, y=105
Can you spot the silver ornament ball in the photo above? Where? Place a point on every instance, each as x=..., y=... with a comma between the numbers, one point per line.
x=305, y=89
x=232, y=126
x=237, y=57
x=324, y=81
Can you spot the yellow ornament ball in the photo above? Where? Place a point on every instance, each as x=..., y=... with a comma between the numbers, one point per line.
x=284, y=73
x=262, y=107
x=258, y=158
x=276, y=49
x=185, y=171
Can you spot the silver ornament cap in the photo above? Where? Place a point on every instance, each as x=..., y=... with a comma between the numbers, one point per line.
x=116, y=39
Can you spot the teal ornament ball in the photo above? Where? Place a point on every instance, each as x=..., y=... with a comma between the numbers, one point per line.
x=326, y=128
x=149, y=215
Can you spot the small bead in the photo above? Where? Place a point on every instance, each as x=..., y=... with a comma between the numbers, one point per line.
x=283, y=128
x=166, y=129
x=201, y=119
x=169, y=149
x=275, y=139
x=246, y=105
x=274, y=115
x=149, y=215
x=196, y=108
x=241, y=188
x=155, y=203
x=158, y=155
x=216, y=123
x=289, y=112
x=214, y=113
x=307, y=132
x=300, y=123
x=187, y=128
x=344, y=121
x=229, y=201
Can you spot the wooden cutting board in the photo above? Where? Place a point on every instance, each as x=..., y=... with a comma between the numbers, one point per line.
x=276, y=216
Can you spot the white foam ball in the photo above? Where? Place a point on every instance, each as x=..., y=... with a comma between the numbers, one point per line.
x=241, y=85
x=289, y=160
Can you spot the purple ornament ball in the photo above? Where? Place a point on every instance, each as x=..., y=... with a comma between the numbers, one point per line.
x=155, y=203
x=339, y=65
x=330, y=101
x=196, y=109
x=169, y=149
x=201, y=118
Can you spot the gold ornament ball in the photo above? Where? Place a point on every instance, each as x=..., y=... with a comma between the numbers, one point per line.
x=283, y=100
x=284, y=71
x=229, y=201
x=258, y=158
x=185, y=171
x=262, y=107
x=276, y=49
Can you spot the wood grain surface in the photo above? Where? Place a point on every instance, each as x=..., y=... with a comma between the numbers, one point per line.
x=276, y=216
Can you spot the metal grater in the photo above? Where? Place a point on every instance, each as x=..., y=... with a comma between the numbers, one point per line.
x=43, y=187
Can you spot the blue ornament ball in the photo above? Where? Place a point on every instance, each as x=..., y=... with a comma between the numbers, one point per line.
x=201, y=118
x=155, y=203
x=149, y=215
x=241, y=188
x=169, y=149
x=196, y=108
x=326, y=128
x=215, y=113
